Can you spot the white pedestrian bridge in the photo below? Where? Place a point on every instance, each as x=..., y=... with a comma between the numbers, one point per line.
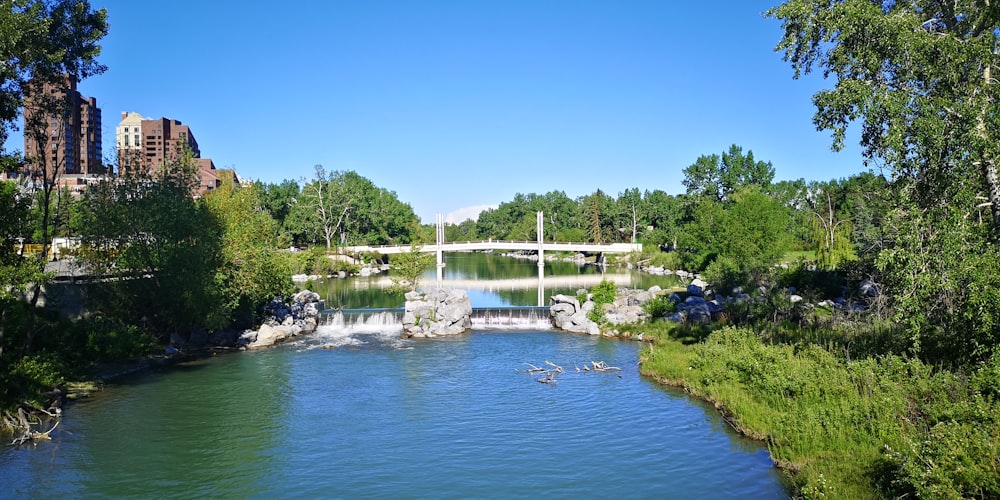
x=484, y=245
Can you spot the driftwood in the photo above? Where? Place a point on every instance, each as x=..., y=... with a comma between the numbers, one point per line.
x=22, y=424
x=554, y=370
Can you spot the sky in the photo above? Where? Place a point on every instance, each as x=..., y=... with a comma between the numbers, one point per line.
x=459, y=105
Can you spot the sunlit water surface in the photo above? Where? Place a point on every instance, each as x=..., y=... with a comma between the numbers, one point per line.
x=371, y=415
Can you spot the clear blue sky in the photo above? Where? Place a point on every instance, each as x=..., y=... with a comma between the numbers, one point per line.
x=455, y=104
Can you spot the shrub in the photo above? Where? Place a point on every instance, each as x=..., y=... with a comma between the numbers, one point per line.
x=666, y=260
x=602, y=293
x=659, y=307
x=725, y=274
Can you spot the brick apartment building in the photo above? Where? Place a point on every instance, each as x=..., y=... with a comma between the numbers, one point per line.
x=62, y=131
x=147, y=143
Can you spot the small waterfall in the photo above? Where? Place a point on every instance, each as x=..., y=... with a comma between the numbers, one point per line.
x=349, y=321
x=512, y=318
x=362, y=320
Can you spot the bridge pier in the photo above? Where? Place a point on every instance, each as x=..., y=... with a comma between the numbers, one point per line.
x=440, y=250
x=540, y=227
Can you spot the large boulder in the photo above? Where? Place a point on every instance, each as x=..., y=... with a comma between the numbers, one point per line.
x=568, y=314
x=437, y=311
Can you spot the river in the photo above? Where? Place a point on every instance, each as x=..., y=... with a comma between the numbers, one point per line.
x=347, y=414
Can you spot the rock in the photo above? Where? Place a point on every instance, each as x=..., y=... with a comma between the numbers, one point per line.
x=695, y=290
x=655, y=289
x=795, y=299
x=868, y=288
x=270, y=335
x=436, y=312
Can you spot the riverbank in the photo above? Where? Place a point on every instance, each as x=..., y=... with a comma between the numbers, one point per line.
x=866, y=428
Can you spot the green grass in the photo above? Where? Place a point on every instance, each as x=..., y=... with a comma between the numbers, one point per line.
x=862, y=429
x=798, y=255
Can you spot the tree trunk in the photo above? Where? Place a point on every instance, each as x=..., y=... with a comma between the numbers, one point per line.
x=993, y=191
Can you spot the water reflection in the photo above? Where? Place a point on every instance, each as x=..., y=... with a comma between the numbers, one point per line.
x=491, y=280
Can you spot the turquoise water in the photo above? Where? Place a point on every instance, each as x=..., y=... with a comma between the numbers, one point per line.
x=343, y=415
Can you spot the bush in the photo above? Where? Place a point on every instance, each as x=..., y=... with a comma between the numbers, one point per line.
x=666, y=260
x=725, y=274
x=659, y=307
x=602, y=293
x=109, y=343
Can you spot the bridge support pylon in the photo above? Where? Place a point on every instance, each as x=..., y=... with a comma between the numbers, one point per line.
x=540, y=223
x=440, y=251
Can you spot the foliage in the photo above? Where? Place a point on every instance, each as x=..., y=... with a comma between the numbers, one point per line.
x=666, y=260
x=601, y=294
x=659, y=307
x=861, y=429
x=346, y=208
x=159, y=247
x=250, y=273
x=915, y=75
x=719, y=177
x=944, y=282
x=749, y=233
x=408, y=267
x=16, y=272
x=45, y=39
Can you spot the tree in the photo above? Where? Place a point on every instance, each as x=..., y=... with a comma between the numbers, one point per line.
x=278, y=200
x=16, y=271
x=251, y=272
x=327, y=201
x=718, y=177
x=832, y=236
x=665, y=213
x=628, y=204
x=745, y=237
x=157, y=249
x=917, y=75
x=408, y=267
x=43, y=41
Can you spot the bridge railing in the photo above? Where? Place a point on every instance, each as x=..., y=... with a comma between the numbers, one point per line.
x=488, y=242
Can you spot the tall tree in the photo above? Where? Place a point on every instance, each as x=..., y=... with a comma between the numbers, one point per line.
x=251, y=272
x=918, y=78
x=917, y=75
x=718, y=177
x=158, y=249
x=43, y=40
x=16, y=272
x=327, y=201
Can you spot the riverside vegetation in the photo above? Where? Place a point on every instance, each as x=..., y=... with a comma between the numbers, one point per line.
x=890, y=395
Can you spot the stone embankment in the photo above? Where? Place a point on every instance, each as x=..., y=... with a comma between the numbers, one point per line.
x=285, y=320
x=437, y=311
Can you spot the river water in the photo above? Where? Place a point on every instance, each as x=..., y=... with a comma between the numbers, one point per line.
x=348, y=414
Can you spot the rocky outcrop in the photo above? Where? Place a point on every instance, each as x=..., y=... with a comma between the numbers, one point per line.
x=568, y=314
x=285, y=320
x=437, y=311
x=627, y=307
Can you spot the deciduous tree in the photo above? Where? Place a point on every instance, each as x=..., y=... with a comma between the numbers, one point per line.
x=718, y=177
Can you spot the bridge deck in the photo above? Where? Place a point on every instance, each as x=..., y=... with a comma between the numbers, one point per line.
x=469, y=246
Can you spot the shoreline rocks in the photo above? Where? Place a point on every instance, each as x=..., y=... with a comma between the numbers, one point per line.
x=285, y=320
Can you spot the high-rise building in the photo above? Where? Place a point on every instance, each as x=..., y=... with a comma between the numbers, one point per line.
x=146, y=144
x=62, y=131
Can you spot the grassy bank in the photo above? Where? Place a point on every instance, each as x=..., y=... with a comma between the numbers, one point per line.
x=869, y=428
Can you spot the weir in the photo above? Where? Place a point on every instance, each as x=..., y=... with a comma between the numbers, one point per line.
x=391, y=320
